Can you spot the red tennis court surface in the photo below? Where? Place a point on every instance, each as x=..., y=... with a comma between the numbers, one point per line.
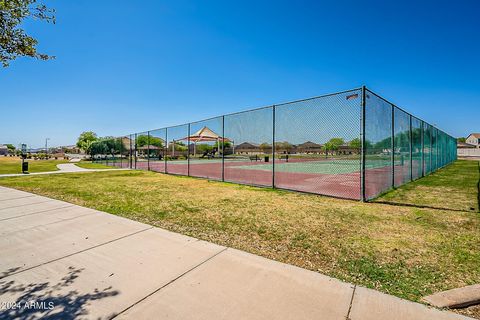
x=343, y=185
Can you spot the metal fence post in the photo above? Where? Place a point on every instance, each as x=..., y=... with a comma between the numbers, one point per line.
x=130, y=158
x=135, y=153
x=188, y=151
x=411, y=150
x=273, y=147
x=444, y=149
x=363, y=151
x=436, y=150
x=423, y=148
x=393, y=146
x=433, y=152
x=223, y=148
x=121, y=152
x=165, y=150
x=431, y=147
x=148, y=150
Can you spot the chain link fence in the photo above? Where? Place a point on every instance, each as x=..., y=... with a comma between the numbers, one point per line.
x=352, y=144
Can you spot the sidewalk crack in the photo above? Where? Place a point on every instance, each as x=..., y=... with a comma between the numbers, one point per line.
x=351, y=303
x=170, y=282
x=74, y=253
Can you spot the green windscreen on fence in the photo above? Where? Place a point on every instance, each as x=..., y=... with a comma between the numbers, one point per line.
x=401, y=148
x=417, y=148
x=441, y=148
x=434, y=149
x=427, y=148
x=378, y=145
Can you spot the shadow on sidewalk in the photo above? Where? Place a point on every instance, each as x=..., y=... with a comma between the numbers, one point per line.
x=47, y=300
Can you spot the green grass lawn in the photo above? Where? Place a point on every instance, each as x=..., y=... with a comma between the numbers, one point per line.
x=90, y=165
x=405, y=251
x=14, y=165
x=454, y=187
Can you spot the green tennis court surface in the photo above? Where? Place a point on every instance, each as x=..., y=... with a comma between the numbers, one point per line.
x=319, y=167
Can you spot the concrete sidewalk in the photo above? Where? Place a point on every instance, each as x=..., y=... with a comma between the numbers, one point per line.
x=62, y=168
x=75, y=262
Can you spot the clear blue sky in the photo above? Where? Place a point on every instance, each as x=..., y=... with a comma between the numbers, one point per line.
x=129, y=66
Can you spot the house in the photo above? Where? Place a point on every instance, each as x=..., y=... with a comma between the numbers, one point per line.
x=465, y=150
x=347, y=149
x=69, y=149
x=309, y=147
x=247, y=148
x=3, y=150
x=463, y=145
x=36, y=150
x=284, y=147
x=474, y=139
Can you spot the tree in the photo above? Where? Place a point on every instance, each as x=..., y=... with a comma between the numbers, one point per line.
x=85, y=140
x=97, y=147
x=265, y=147
x=144, y=140
x=384, y=144
x=156, y=141
x=462, y=139
x=203, y=147
x=355, y=144
x=333, y=145
x=178, y=146
x=220, y=145
x=10, y=147
x=14, y=42
x=284, y=146
x=112, y=145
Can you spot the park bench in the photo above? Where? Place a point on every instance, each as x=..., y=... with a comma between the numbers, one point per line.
x=254, y=158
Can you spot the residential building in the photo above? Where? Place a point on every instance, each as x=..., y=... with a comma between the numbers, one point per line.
x=3, y=150
x=474, y=139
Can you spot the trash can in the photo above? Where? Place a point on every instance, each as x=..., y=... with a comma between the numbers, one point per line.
x=267, y=159
x=25, y=166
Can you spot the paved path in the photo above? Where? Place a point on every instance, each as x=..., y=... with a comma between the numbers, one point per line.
x=90, y=264
x=62, y=168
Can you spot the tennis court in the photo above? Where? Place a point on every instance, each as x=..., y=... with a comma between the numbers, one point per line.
x=352, y=144
x=321, y=166
x=334, y=177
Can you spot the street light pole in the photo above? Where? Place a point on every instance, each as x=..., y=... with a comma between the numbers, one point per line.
x=46, y=145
